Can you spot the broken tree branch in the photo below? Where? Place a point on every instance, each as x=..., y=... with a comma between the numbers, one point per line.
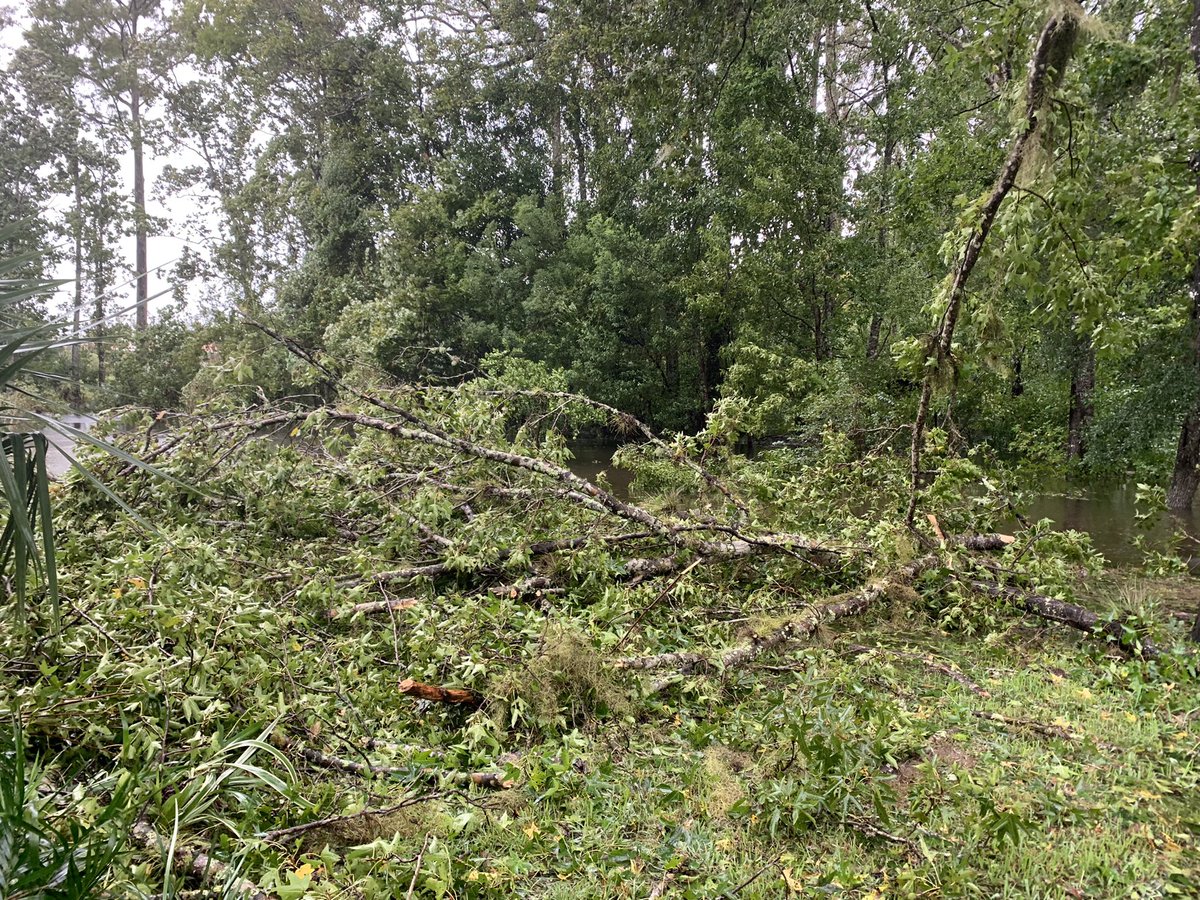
x=951, y=672
x=847, y=604
x=372, y=607
x=1069, y=614
x=437, y=694
x=629, y=423
x=492, y=780
x=1057, y=732
x=281, y=834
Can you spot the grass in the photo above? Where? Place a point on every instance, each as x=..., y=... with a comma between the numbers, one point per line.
x=823, y=771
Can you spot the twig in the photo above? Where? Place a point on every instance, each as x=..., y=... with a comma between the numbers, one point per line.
x=930, y=663
x=417, y=868
x=277, y=834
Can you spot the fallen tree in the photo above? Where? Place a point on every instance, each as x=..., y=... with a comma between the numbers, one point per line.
x=851, y=603
x=1077, y=617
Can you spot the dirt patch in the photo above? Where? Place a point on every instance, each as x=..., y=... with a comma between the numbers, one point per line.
x=943, y=753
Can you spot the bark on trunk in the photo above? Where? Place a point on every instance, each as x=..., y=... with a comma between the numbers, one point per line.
x=1083, y=383
x=1186, y=475
x=873, y=336
x=99, y=285
x=199, y=865
x=77, y=234
x=139, y=197
x=1069, y=614
x=1018, y=363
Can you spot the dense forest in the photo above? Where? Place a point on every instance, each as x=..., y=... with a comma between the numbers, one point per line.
x=673, y=204
x=328, y=603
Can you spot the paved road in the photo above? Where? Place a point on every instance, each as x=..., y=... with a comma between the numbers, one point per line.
x=61, y=445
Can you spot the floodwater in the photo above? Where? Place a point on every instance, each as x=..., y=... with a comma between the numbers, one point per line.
x=1107, y=514
x=592, y=459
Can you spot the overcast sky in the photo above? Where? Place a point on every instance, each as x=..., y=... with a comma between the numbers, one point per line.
x=166, y=244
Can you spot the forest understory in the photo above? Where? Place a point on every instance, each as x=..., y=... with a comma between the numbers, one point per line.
x=395, y=647
x=333, y=616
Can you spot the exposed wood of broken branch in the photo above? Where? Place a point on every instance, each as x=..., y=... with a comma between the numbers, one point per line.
x=435, y=693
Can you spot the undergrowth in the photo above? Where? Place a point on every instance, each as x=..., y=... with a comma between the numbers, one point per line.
x=198, y=663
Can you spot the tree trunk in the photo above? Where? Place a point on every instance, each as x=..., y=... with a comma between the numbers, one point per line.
x=824, y=308
x=556, y=147
x=1050, y=57
x=77, y=235
x=1186, y=476
x=873, y=336
x=1083, y=383
x=1018, y=362
x=139, y=197
x=99, y=285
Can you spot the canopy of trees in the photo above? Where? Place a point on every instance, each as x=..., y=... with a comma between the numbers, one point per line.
x=671, y=203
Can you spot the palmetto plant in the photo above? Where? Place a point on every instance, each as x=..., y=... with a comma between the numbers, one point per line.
x=26, y=529
x=27, y=539
x=46, y=850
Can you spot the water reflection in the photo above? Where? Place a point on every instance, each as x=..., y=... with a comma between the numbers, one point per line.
x=1108, y=514
x=591, y=458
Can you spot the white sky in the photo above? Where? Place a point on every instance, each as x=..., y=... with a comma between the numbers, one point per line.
x=165, y=245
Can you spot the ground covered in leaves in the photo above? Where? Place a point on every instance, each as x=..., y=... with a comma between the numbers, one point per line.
x=220, y=707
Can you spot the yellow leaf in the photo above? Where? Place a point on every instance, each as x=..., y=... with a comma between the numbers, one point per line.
x=117, y=593
x=296, y=432
x=296, y=646
x=139, y=583
x=1085, y=694
x=724, y=844
x=1130, y=717
x=531, y=830
x=304, y=871
x=795, y=886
